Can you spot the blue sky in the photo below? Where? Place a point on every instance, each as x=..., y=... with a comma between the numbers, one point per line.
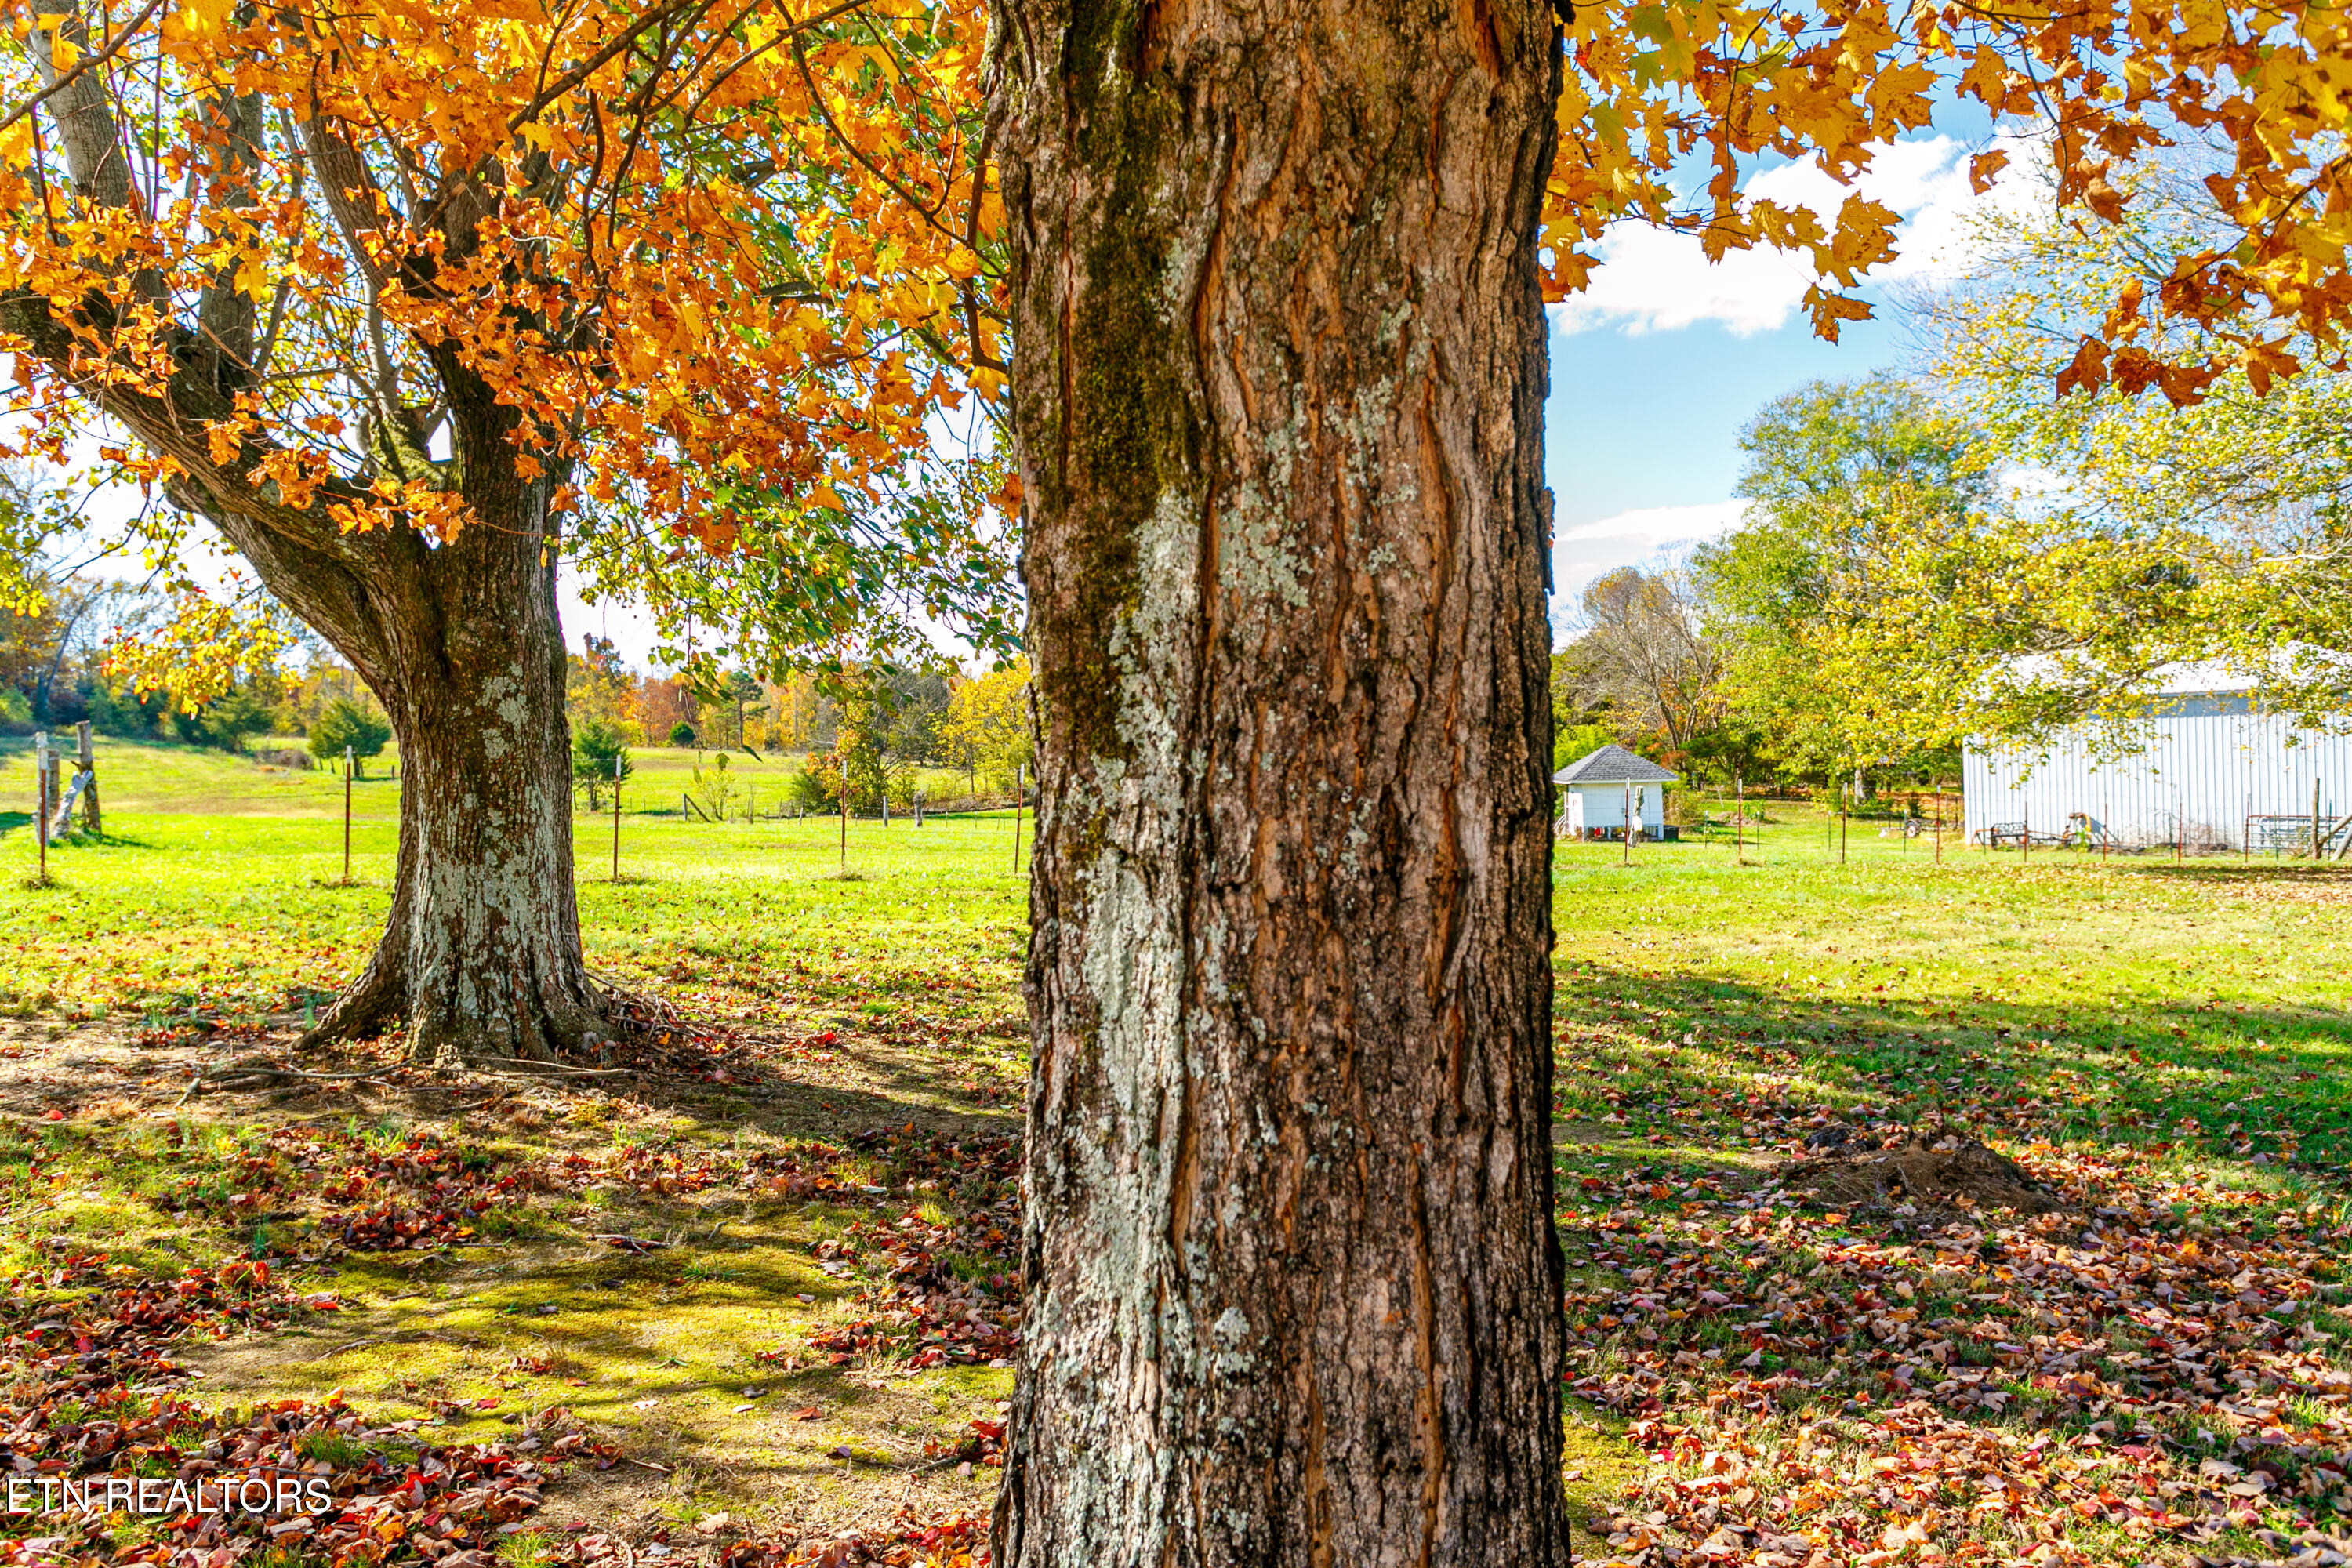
x=1642, y=433
x=1657, y=365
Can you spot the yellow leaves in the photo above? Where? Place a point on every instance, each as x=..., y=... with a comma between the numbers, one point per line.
x=1984, y=168
x=196, y=19
x=296, y=476
x=253, y=278
x=1829, y=311
x=2123, y=317
x=223, y=439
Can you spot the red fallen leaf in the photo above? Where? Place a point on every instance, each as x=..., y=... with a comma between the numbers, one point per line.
x=810, y=1414
x=53, y=1115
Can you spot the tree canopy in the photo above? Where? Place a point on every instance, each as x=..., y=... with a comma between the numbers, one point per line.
x=698, y=272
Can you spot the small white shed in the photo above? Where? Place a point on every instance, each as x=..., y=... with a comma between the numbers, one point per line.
x=1594, y=788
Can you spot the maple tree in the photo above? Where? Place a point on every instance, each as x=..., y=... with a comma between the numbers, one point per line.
x=408, y=302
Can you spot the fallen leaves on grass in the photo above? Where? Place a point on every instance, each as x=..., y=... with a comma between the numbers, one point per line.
x=2145, y=1364
x=92, y=1391
x=948, y=1295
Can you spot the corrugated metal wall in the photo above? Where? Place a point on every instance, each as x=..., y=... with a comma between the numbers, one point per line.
x=2205, y=772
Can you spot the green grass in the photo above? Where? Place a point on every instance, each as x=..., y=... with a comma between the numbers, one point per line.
x=221, y=882
x=2178, y=1031
x=2123, y=996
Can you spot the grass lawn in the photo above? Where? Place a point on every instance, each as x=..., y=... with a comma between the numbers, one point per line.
x=762, y=1274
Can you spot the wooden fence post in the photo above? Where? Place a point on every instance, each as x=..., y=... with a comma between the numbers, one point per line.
x=89, y=816
x=41, y=806
x=1739, y=822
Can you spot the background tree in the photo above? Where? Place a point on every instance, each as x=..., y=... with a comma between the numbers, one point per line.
x=1840, y=477
x=2222, y=526
x=987, y=728
x=743, y=693
x=1641, y=654
x=715, y=786
x=225, y=720
x=361, y=728
x=599, y=688
x=862, y=739
x=600, y=758
x=407, y=303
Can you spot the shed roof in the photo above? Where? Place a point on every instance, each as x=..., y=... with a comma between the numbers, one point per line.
x=1614, y=765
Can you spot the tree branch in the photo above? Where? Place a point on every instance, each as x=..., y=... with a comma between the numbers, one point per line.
x=82, y=66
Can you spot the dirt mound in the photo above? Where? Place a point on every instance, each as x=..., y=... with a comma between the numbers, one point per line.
x=1930, y=1171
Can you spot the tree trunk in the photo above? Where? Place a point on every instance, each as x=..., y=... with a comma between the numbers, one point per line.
x=1294, y=1294
x=462, y=642
x=492, y=940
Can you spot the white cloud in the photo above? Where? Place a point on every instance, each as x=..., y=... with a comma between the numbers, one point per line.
x=1645, y=535
x=1651, y=280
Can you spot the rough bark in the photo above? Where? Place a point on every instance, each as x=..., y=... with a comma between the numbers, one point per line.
x=481, y=952
x=1294, y=1292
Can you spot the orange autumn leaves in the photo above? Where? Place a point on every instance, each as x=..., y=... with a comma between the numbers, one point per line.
x=691, y=247
x=701, y=248
x=2255, y=90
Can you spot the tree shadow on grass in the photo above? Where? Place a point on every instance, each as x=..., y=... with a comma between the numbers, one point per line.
x=2265, y=871
x=2235, y=1081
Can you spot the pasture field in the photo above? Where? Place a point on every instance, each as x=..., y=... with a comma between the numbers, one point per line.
x=762, y=1268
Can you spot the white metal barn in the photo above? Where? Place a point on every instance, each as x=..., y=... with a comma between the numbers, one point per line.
x=1594, y=788
x=2214, y=774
